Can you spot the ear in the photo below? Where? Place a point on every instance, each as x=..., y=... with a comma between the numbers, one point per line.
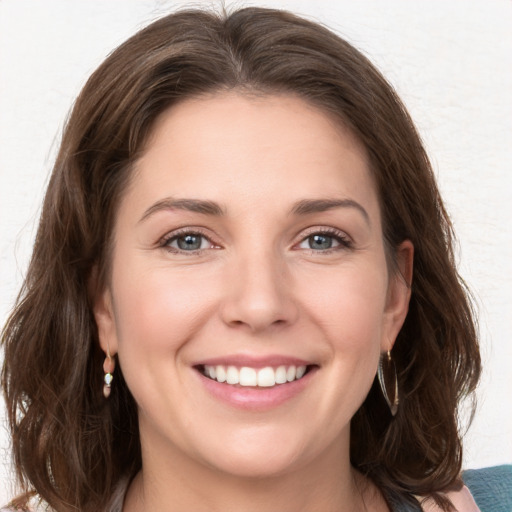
x=399, y=294
x=103, y=311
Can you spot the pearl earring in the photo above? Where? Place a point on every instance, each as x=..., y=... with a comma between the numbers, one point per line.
x=108, y=367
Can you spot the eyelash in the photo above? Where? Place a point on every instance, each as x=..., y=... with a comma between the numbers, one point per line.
x=341, y=238
x=175, y=235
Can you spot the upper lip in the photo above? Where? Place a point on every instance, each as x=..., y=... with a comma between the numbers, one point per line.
x=241, y=360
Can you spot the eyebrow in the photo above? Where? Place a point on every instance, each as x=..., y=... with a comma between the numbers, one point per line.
x=307, y=206
x=303, y=207
x=191, y=205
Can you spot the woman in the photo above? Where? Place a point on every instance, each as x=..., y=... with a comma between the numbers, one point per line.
x=242, y=293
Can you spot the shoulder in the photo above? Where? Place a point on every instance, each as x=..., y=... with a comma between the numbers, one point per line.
x=462, y=500
x=486, y=490
x=17, y=509
x=491, y=487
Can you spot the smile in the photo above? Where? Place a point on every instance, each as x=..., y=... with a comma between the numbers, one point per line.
x=254, y=377
x=255, y=384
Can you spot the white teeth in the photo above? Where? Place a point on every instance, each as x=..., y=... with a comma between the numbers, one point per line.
x=221, y=373
x=266, y=377
x=301, y=370
x=246, y=376
x=281, y=375
x=232, y=375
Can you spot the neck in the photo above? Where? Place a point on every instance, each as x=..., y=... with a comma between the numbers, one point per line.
x=326, y=484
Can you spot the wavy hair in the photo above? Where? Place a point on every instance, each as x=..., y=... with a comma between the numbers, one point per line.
x=71, y=446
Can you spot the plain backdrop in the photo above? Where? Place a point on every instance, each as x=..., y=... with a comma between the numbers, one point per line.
x=450, y=60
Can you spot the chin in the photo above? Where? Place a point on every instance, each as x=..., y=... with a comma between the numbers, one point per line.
x=259, y=456
x=240, y=466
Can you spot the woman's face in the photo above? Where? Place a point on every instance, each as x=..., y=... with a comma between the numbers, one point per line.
x=248, y=248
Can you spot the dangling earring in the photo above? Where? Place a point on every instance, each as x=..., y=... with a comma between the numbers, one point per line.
x=108, y=367
x=388, y=381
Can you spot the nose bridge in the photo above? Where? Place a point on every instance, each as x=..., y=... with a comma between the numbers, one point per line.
x=260, y=290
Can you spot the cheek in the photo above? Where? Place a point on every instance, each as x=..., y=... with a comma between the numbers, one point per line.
x=347, y=309
x=348, y=304
x=156, y=313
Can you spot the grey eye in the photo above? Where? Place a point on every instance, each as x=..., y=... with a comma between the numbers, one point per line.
x=320, y=242
x=189, y=242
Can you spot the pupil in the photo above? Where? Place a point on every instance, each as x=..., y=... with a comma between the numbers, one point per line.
x=189, y=242
x=320, y=242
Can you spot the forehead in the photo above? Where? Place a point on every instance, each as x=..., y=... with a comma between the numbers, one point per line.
x=235, y=147
x=225, y=118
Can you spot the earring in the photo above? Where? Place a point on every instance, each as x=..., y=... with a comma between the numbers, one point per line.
x=388, y=381
x=108, y=367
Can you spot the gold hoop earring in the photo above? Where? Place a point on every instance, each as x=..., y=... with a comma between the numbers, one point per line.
x=388, y=381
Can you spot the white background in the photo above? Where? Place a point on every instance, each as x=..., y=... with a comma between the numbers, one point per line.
x=450, y=60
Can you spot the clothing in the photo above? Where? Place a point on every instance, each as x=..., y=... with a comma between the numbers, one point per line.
x=463, y=500
x=116, y=503
x=491, y=489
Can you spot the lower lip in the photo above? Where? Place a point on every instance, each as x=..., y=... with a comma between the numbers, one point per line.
x=256, y=398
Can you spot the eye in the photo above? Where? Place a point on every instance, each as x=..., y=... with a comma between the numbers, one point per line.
x=325, y=241
x=320, y=242
x=187, y=241
x=191, y=242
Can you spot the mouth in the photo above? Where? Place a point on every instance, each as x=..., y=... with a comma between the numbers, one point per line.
x=246, y=376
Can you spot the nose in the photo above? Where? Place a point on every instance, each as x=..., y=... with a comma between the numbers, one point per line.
x=259, y=294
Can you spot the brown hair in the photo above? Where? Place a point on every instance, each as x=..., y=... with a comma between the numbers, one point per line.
x=72, y=447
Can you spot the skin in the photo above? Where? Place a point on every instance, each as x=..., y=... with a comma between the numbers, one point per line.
x=257, y=286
